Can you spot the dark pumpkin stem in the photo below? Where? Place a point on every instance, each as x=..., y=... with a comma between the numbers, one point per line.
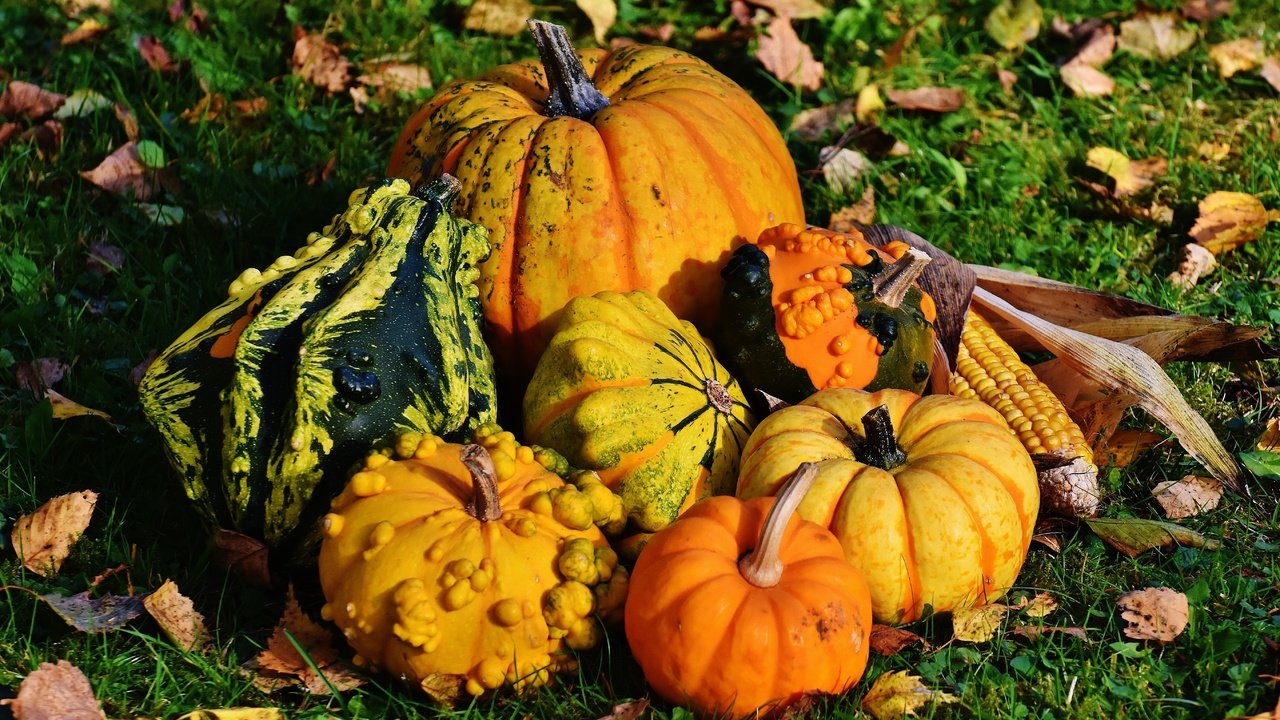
x=718, y=396
x=571, y=91
x=763, y=567
x=880, y=447
x=484, y=482
x=892, y=284
x=444, y=190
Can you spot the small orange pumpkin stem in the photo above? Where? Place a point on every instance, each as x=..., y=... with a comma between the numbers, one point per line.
x=571, y=91
x=762, y=567
x=892, y=284
x=484, y=482
x=880, y=448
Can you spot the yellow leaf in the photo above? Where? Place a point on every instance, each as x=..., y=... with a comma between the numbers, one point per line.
x=1230, y=219
x=602, y=13
x=1270, y=440
x=1015, y=22
x=43, y=539
x=895, y=694
x=978, y=624
x=1237, y=55
x=235, y=714
x=869, y=104
x=499, y=17
x=1041, y=605
x=176, y=615
x=64, y=407
x=1130, y=175
x=1156, y=35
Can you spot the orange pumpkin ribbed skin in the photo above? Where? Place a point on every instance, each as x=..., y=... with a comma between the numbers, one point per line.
x=948, y=528
x=649, y=193
x=707, y=637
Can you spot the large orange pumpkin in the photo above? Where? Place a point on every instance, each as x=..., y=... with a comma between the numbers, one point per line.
x=640, y=169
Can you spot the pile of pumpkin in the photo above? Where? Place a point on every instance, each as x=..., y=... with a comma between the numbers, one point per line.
x=586, y=219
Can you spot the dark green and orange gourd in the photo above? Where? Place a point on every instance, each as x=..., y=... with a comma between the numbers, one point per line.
x=635, y=169
x=371, y=328
x=806, y=309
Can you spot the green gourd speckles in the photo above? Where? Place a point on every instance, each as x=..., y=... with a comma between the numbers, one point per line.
x=371, y=329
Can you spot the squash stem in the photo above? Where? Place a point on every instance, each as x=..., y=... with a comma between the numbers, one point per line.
x=718, y=396
x=571, y=91
x=444, y=190
x=880, y=449
x=484, y=481
x=762, y=567
x=892, y=284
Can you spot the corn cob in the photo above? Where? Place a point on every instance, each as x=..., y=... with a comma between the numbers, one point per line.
x=988, y=369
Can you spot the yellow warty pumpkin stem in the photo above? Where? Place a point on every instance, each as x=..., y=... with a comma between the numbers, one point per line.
x=762, y=567
x=989, y=369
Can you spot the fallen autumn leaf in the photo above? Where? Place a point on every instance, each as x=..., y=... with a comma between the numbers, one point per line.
x=24, y=98
x=44, y=538
x=56, y=692
x=895, y=694
x=1237, y=56
x=1157, y=613
x=931, y=99
x=177, y=616
x=1187, y=497
x=1230, y=219
x=1156, y=35
x=319, y=62
x=979, y=624
x=783, y=54
x=1130, y=176
x=498, y=17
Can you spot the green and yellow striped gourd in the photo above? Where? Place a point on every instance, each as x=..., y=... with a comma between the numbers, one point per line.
x=371, y=329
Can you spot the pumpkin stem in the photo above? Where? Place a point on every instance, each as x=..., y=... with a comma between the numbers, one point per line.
x=570, y=89
x=892, y=284
x=444, y=190
x=762, y=567
x=880, y=448
x=484, y=481
x=718, y=396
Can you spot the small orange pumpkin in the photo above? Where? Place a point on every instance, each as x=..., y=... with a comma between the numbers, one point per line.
x=737, y=609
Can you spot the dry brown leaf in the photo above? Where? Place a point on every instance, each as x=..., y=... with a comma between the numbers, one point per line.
x=978, y=624
x=56, y=692
x=1237, y=55
x=103, y=258
x=857, y=215
x=24, y=98
x=123, y=173
x=207, y=109
x=1007, y=79
x=137, y=371
x=1035, y=632
x=36, y=375
x=74, y=8
x=1156, y=35
x=95, y=615
x=65, y=408
x=1098, y=48
x=251, y=107
x=1187, y=497
x=1230, y=219
x=931, y=99
x=1271, y=71
x=795, y=9
x=395, y=77
x=1157, y=613
x=790, y=60
x=895, y=694
x=319, y=62
x=236, y=714
x=1086, y=80
x=86, y=30
x=44, y=538
x=154, y=54
x=843, y=168
x=1126, y=445
x=1130, y=176
x=889, y=641
x=1270, y=440
x=8, y=131
x=1041, y=605
x=1197, y=261
x=1205, y=10
x=602, y=13
x=499, y=17
x=631, y=710
x=359, y=97
x=1014, y=23
x=814, y=123
x=281, y=660
x=128, y=121
x=177, y=616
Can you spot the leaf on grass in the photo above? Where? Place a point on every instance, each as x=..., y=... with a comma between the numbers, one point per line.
x=602, y=13
x=1126, y=445
x=7, y=131
x=1130, y=176
x=795, y=9
x=1205, y=10
x=86, y=30
x=137, y=371
x=631, y=710
x=895, y=694
x=75, y=8
x=36, y=375
x=1162, y=36
x=392, y=76
x=1015, y=22
x=869, y=104
x=242, y=555
x=123, y=173
x=24, y=98
x=1270, y=440
x=44, y=538
x=251, y=107
x=207, y=109
x=1007, y=79
x=128, y=121
x=1035, y=632
x=1086, y=80
x=843, y=168
x=855, y=216
x=1041, y=605
x=1157, y=613
x=56, y=692
x=1271, y=71
x=1237, y=56
x=1187, y=497
x=1262, y=463
x=177, y=616
x=1098, y=47
x=282, y=661
x=319, y=62
x=1133, y=536
x=498, y=17
x=929, y=99
x=790, y=60
x=889, y=641
x=978, y=624
x=1214, y=151
x=1230, y=219
x=80, y=103
x=95, y=615
x=64, y=408
x=155, y=55
x=813, y=123
x=236, y=714
x=1196, y=262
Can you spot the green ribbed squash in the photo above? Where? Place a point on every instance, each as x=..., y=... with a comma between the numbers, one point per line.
x=370, y=329
x=628, y=390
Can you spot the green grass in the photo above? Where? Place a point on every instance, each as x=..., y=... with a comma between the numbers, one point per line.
x=996, y=182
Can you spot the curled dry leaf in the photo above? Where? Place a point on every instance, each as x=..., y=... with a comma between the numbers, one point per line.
x=44, y=538
x=155, y=55
x=889, y=641
x=931, y=99
x=1133, y=536
x=36, y=375
x=1213, y=151
x=56, y=692
x=895, y=694
x=1098, y=47
x=1130, y=176
x=244, y=556
x=1007, y=79
x=1014, y=23
x=978, y=624
x=128, y=121
x=123, y=173
x=86, y=30
x=1161, y=36
x=1187, y=497
x=1230, y=219
x=1197, y=261
x=1157, y=613
x=498, y=17
x=95, y=615
x=64, y=408
x=177, y=616
x=602, y=13
x=843, y=168
x=1041, y=605
x=1270, y=440
x=319, y=62
x=1237, y=55
x=785, y=56
x=281, y=661
x=24, y=98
